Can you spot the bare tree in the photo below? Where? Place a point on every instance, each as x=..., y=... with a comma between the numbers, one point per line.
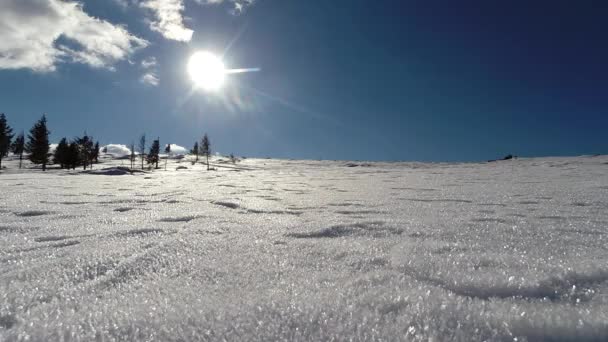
x=132, y=157
x=167, y=152
x=142, y=149
x=18, y=147
x=206, y=148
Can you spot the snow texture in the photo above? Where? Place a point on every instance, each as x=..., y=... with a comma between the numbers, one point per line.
x=307, y=250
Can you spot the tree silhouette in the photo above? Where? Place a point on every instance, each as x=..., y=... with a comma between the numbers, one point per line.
x=6, y=135
x=132, y=157
x=142, y=149
x=195, y=151
x=86, y=148
x=61, y=155
x=73, y=157
x=206, y=148
x=167, y=152
x=38, y=145
x=154, y=152
x=18, y=147
x=96, y=152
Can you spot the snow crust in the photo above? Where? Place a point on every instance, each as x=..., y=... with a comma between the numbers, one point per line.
x=307, y=250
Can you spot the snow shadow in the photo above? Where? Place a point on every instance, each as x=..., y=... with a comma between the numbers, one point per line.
x=33, y=213
x=51, y=238
x=180, y=219
x=142, y=231
x=362, y=229
x=445, y=200
x=230, y=205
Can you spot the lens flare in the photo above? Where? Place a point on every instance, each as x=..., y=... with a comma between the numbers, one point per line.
x=206, y=70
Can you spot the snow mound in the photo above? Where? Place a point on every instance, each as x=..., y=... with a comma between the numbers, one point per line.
x=116, y=150
x=111, y=171
x=177, y=150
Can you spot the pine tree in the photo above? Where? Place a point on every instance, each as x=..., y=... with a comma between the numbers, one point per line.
x=206, y=148
x=73, y=157
x=195, y=151
x=96, y=152
x=6, y=135
x=154, y=152
x=132, y=157
x=167, y=152
x=142, y=149
x=18, y=147
x=61, y=154
x=38, y=145
x=86, y=150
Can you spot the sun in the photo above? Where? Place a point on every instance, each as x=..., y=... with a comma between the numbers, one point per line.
x=206, y=70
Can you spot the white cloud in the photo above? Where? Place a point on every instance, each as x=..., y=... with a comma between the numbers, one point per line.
x=150, y=78
x=238, y=6
x=148, y=63
x=168, y=19
x=30, y=31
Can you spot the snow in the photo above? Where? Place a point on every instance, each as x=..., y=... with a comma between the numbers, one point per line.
x=177, y=150
x=307, y=250
x=116, y=150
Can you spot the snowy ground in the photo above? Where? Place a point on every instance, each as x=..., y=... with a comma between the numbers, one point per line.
x=308, y=250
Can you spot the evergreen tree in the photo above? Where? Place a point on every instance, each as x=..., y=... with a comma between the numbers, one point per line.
x=96, y=152
x=61, y=154
x=132, y=157
x=86, y=150
x=154, y=152
x=18, y=147
x=195, y=151
x=205, y=148
x=73, y=157
x=38, y=145
x=6, y=135
x=142, y=149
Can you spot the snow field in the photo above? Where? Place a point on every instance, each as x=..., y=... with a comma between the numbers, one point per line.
x=307, y=250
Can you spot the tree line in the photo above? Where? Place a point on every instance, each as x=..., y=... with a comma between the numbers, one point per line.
x=80, y=151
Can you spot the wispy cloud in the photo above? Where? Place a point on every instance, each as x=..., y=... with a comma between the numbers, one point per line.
x=238, y=6
x=150, y=76
x=123, y=4
x=31, y=32
x=169, y=15
x=148, y=62
x=168, y=19
x=150, y=79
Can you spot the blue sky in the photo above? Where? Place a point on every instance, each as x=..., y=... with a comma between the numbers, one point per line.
x=373, y=80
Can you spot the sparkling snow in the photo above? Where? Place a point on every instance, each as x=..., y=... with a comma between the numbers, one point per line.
x=307, y=250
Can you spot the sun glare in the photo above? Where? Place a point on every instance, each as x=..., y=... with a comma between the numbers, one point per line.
x=206, y=70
